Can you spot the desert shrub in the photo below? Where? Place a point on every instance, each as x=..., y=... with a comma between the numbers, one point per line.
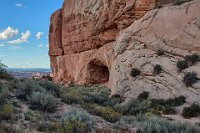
x=4, y=73
x=181, y=65
x=25, y=88
x=192, y=111
x=135, y=72
x=190, y=78
x=143, y=96
x=71, y=97
x=160, y=125
x=6, y=111
x=51, y=87
x=160, y=52
x=43, y=101
x=70, y=127
x=168, y=110
x=105, y=112
x=157, y=69
x=4, y=94
x=5, y=128
x=177, y=101
x=88, y=94
x=77, y=114
x=75, y=121
x=167, y=106
x=134, y=107
x=28, y=115
x=114, y=100
x=192, y=58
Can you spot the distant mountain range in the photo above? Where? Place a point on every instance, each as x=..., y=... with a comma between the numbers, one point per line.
x=31, y=70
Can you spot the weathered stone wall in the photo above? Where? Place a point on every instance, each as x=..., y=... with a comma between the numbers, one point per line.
x=101, y=41
x=84, y=28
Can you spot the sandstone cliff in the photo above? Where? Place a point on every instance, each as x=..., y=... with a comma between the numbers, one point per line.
x=100, y=41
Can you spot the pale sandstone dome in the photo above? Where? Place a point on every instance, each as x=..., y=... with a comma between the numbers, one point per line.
x=104, y=39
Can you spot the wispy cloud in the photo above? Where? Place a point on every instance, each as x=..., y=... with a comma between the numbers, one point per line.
x=19, y=5
x=47, y=46
x=39, y=34
x=12, y=47
x=8, y=33
x=24, y=38
x=1, y=45
x=39, y=46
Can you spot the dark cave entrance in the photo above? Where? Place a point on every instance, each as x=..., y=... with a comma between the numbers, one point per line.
x=97, y=73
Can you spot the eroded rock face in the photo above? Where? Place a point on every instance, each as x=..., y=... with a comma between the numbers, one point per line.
x=81, y=36
x=100, y=41
x=176, y=30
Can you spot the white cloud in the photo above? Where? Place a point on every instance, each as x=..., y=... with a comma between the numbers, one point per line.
x=39, y=46
x=47, y=46
x=24, y=38
x=8, y=33
x=39, y=34
x=12, y=47
x=18, y=5
x=1, y=45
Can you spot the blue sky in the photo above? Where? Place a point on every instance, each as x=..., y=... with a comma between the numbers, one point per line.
x=24, y=26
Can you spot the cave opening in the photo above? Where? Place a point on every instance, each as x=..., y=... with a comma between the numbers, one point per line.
x=97, y=73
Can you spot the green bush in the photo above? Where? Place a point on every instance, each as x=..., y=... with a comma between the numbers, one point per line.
x=77, y=114
x=194, y=58
x=160, y=52
x=143, y=96
x=190, y=78
x=181, y=65
x=192, y=111
x=88, y=94
x=4, y=94
x=51, y=87
x=177, y=101
x=155, y=106
x=105, y=112
x=25, y=88
x=135, y=72
x=43, y=101
x=70, y=127
x=114, y=100
x=3, y=72
x=71, y=97
x=134, y=107
x=75, y=121
x=157, y=69
x=168, y=110
x=6, y=111
x=160, y=125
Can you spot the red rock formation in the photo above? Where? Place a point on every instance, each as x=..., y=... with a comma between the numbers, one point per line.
x=81, y=34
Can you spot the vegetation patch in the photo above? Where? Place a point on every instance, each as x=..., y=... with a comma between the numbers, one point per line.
x=135, y=72
x=160, y=52
x=192, y=111
x=190, y=78
x=3, y=72
x=43, y=101
x=192, y=59
x=143, y=96
x=104, y=112
x=157, y=69
x=160, y=125
x=181, y=65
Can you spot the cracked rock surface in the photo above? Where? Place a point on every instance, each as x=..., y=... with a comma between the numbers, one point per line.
x=174, y=29
x=102, y=41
